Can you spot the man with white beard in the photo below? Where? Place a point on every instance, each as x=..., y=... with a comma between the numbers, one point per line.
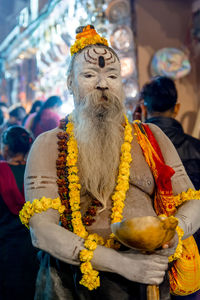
x=94, y=170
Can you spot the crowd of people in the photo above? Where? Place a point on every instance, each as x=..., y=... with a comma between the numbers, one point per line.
x=18, y=260
x=43, y=115
x=86, y=169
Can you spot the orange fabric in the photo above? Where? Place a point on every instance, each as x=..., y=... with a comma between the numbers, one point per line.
x=184, y=275
x=87, y=31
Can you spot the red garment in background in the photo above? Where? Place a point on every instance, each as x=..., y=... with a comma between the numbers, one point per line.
x=9, y=191
x=48, y=120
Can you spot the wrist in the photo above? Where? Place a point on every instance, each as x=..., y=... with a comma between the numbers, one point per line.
x=184, y=224
x=106, y=259
x=181, y=223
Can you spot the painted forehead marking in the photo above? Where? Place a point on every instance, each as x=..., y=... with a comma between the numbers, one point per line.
x=100, y=58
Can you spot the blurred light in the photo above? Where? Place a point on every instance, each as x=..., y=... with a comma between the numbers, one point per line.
x=72, y=23
x=18, y=61
x=127, y=66
x=34, y=9
x=134, y=92
x=21, y=56
x=118, y=11
x=24, y=17
x=7, y=75
x=71, y=10
x=131, y=88
x=122, y=38
x=67, y=107
x=81, y=13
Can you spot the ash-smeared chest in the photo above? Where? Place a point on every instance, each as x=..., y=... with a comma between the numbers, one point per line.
x=140, y=173
x=99, y=56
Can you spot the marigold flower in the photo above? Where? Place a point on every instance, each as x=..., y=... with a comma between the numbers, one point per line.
x=85, y=255
x=76, y=215
x=73, y=170
x=109, y=243
x=126, y=147
x=73, y=178
x=38, y=206
x=46, y=202
x=91, y=282
x=86, y=267
x=91, y=245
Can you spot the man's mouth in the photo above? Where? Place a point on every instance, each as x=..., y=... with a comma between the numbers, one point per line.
x=104, y=98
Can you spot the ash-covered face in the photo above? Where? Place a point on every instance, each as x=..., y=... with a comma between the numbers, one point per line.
x=96, y=69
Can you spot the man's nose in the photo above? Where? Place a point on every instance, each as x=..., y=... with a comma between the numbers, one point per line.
x=102, y=84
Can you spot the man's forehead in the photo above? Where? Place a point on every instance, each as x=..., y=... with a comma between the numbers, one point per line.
x=96, y=56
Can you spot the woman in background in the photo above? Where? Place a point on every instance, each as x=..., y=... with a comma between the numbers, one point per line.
x=28, y=120
x=47, y=118
x=18, y=259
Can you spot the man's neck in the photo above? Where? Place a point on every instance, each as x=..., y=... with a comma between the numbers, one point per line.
x=166, y=114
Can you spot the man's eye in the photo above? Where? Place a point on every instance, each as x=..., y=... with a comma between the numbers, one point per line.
x=112, y=76
x=88, y=75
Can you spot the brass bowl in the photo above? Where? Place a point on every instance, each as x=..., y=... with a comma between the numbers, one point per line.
x=145, y=233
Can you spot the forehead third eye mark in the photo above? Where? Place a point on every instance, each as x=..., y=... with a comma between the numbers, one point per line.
x=101, y=58
x=101, y=62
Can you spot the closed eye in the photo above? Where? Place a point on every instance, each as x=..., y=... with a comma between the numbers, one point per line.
x=88, y=75
x=112, y=76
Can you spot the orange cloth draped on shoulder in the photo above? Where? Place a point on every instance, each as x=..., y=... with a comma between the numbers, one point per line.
x=184, y=275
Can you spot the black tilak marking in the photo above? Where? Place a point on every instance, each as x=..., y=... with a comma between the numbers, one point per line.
x=113, y=60
x=89, y=61
x=91, y=56
x=108, y=58
x=105, y=51
x=101, y=62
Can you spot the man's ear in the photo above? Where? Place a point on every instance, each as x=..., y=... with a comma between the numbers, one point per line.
x=69, y=83
x=176, y=109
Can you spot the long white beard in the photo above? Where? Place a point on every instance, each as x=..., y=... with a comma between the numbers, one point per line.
x=99, y=135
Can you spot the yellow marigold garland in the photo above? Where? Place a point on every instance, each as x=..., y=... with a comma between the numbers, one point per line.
x=37, y=206
x=186, y=196
x=90, y=278
x=179, y=248
x=89, y=36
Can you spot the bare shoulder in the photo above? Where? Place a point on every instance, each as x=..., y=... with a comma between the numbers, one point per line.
x=45, y=145
x=47, y=136
x=47, y=139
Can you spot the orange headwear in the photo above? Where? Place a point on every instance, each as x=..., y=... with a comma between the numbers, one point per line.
x=89, y=36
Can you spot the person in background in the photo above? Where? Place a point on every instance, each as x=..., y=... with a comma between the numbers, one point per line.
x=16, y=116
x=159, y=106
x=18, y=261
x=27, y=122
x=47, y=117
x=4, y=108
